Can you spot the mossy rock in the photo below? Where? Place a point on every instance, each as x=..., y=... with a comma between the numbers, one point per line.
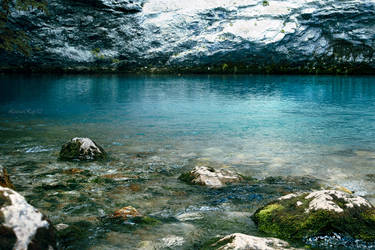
x=83, y=149
x=300, y=215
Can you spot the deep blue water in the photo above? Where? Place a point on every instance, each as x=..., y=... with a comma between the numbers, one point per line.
x=323, y=110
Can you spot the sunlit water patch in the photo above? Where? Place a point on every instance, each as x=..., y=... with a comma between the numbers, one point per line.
x=155, y=128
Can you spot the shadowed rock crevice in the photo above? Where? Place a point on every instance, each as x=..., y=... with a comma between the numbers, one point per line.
x=202, y=37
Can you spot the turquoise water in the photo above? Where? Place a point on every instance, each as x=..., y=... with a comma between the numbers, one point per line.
x=155, y=127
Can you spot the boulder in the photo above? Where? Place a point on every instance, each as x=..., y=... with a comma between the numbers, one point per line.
x=211, y=177
x=21, y=225
x=83, y=149
x=238, y=241
x=300, y=215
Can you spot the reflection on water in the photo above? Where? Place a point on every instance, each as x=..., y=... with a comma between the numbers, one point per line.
x=153, y=127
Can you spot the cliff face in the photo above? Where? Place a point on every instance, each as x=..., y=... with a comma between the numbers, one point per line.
x=200, y=36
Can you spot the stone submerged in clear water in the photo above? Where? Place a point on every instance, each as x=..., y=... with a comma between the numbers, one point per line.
x=239, y=241
x=21, y=225
x=126, y=213
x=300, y=215
x=83, y=149
x=210, y=177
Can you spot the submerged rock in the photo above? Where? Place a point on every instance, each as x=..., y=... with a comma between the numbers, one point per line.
x=169, y=242
x=83, y=149
x=21, y=225
x=61, y=226
x=301, y=215
x=238, y=241
x=126, y=213
x=5, y=179
x=172, y=241
x=211, y=177
x=130, y=214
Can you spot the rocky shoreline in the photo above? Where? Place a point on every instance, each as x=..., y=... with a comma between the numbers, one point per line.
x=308, y=212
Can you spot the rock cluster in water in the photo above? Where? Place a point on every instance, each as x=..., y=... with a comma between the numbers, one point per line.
x=21, y=225
x=301, y=215
x=83, y=149
x=225, y=36
x=312, y=216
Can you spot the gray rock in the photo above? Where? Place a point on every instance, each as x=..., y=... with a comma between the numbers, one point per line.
x=211, y=177
x=199, y=36
x=21, y=225
x=238, y=241
x=82, y=149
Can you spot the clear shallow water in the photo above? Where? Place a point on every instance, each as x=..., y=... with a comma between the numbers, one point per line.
x=156, y=127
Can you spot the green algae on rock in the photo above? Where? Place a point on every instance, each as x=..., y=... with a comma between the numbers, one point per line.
x=83, y=149
x=299, y=215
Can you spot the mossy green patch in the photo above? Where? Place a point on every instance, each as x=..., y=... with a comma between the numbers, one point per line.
x=70, y=151
x=186, y=177
x=269, y=209
x=145, y=220
x=284, y=219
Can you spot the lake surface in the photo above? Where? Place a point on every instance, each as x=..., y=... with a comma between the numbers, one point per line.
x=156, y=127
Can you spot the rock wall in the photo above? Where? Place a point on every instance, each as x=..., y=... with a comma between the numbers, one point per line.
x=226, y=36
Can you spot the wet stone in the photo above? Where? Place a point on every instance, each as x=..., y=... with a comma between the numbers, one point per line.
x=126, y=213
x=83, y=149
x=23, y=226
x=238, y=241
x=210, y=177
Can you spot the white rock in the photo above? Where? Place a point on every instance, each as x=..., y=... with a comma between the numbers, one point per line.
x=289, y=196
x=22, y=218
x=324, y=199
x=61, y=226
x=172, y=241
x=247, y=242
x=189, y=216
x=213, y=177
x=86, y=143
